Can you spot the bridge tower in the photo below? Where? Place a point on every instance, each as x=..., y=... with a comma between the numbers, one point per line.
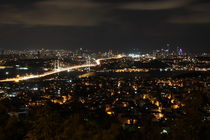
x=57, y=64
x=88, y=63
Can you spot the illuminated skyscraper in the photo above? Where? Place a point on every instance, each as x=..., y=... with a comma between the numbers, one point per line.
x=180, y=52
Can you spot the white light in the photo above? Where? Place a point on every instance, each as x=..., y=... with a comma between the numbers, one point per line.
x=164, y=131
x=23, y=68
x=35, y=88
x=134, y=55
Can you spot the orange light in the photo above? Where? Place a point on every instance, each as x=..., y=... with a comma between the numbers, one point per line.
x=110, y=113
x=175, y=106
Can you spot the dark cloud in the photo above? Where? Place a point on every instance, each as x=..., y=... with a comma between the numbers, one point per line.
x=194, y=14
x=56, y=13
x=77, y=12
x=91, y=12
x=105, y=24
x=18, y=2
x=155, y=5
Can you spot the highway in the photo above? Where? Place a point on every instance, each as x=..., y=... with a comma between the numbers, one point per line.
x=28, y=77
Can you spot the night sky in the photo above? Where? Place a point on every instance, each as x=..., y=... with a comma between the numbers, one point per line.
x=105, y=24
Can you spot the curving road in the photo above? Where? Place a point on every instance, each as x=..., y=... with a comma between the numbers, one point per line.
x=28, y=77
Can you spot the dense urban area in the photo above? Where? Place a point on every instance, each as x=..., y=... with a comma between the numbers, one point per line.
x=82, y=94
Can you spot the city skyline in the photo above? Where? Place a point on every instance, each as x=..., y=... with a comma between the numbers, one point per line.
x=104, y=69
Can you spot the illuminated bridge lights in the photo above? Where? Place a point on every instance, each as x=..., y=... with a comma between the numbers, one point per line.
x=24, y=78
